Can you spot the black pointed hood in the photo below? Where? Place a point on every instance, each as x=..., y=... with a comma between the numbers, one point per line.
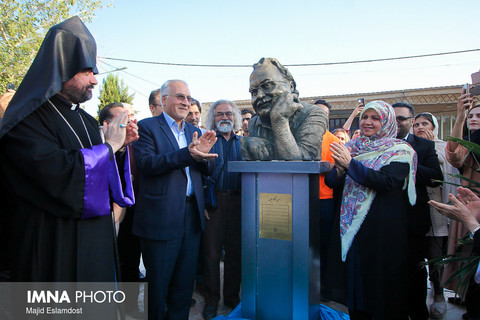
x=67, y=49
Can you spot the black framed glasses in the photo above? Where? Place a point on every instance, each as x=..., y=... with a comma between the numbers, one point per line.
x=402, y=118
x=181, y=97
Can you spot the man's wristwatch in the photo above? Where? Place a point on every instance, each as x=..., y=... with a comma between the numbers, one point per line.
x=473, y=232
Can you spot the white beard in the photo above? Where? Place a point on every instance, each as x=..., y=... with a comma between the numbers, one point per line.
x=225, y=126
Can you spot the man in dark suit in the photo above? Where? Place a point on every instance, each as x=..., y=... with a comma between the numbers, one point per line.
x=418, y=217
x=169, y=216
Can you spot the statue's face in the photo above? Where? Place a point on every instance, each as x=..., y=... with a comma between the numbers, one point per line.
x=266, y=83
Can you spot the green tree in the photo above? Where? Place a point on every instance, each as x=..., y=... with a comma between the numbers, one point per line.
x=23, y=25
x=113, y=90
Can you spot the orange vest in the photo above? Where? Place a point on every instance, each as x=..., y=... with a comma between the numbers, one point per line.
x=326, y=192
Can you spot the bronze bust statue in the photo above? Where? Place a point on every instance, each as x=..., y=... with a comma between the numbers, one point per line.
x=284, y=128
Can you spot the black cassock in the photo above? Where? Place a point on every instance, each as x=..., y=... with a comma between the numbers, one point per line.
x=51, y=178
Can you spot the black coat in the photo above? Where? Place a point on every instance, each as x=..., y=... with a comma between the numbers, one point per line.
x=45, y=174
x=374, y=273
x=428, y=170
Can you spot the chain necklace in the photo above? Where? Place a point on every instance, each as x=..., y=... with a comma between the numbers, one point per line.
x=61, y=115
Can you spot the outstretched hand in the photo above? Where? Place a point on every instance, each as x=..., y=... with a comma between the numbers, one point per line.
x=206, y=141
x=199, y=147
x=465, y=208
x=470, y=200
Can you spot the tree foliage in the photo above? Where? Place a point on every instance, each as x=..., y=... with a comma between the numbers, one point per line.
x=113, y=90
x=24, y=24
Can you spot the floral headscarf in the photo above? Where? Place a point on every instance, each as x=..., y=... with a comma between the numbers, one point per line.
x=373, y=152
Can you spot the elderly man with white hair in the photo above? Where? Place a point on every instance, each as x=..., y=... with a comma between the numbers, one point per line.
x=223, y=224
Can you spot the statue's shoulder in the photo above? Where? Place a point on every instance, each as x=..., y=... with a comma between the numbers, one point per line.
x=255, y=124
x=255, y=120
x=310, y=110
x=311, y=115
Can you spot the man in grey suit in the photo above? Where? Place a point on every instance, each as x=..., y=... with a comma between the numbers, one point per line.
x=171, y=157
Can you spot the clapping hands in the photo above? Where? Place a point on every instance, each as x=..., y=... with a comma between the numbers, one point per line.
x=341, y=155
x=199, y=147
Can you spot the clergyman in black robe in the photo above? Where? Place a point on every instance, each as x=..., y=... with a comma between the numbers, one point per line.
x=61, y=178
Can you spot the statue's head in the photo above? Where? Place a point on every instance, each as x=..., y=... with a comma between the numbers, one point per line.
x=269, y=80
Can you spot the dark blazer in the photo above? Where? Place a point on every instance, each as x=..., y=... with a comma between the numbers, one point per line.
x=428, y=170
x=163, y=181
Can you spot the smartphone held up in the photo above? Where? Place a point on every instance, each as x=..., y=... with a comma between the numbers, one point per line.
x=474, y=88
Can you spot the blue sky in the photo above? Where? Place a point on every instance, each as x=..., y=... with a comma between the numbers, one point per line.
x=303, y=31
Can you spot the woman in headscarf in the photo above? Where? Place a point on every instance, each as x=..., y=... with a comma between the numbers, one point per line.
x=468, y=163
x=459, y=156
x=377, y=174
x=426, y=126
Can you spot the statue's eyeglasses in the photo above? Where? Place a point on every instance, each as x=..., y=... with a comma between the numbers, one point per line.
x=266, y=86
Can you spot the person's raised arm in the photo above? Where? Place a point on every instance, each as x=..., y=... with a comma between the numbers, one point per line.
x=346, y=126
x=463, y=104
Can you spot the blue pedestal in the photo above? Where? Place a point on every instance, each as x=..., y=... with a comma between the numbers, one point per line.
x=277, y=278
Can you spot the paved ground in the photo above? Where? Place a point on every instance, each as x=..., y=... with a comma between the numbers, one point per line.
x=454, y=312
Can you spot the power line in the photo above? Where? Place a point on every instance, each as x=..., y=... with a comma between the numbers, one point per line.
x=106, y=72
x=123, y=70
x=291, y=65
x=158, y=85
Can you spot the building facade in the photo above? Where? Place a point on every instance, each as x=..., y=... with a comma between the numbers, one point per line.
x=440, y=101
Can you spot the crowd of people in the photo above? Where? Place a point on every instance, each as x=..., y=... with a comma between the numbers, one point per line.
x=382, y=255
x=383, y=207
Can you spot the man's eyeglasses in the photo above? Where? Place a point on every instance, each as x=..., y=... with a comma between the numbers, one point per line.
x=402, y=118
x=266, y=86
x=229, y=114
x=181, y=97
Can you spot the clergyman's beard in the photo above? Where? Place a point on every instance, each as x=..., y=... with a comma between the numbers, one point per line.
x=226, y=128
x=76, y=97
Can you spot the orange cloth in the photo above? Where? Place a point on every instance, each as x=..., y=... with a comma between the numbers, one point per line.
x=326, y=192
